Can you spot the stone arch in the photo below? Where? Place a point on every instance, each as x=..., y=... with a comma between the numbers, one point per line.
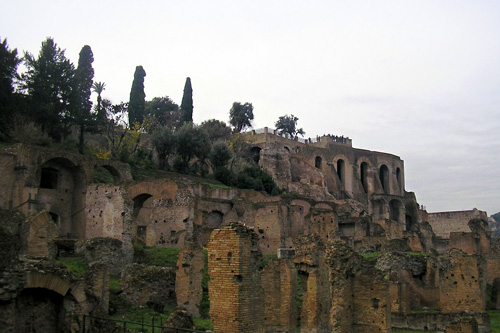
x=140, y=230
x=39, y=310
x=318, y=161
x=255, y=152
x=384, y=178
x=286, y=148
x=395, y=210
x=111, y=172
x=340, y=168
x=47, y=281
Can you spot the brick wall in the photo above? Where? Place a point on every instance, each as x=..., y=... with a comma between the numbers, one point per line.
x=236, y=301
x=446, y=222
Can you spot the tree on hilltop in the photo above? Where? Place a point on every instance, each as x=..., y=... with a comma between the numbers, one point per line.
x=241, y=116
x=187, y=102
x=48, y=81
x=98, y=88
x=8, y=72
x=137, y=104
x=217, y=130
x=84, y=76
x=288, y=125
x=165, y=112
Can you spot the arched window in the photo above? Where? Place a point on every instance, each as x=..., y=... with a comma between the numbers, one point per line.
x=364, y=176
x=398, y=178
x=384, y=178
x=341, y=170
x=317, y=162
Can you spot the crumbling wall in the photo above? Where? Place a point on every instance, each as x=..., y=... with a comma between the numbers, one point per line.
x=462, y=283
x=279, y=282
x=444, y=223
x=105, y=210
x=188, y=278
x=236, y=295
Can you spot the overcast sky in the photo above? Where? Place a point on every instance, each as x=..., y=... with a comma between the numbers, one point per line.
x=418, y=79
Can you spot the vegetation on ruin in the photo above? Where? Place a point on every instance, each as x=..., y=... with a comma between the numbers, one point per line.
x=371, y=255
x=155, y=256
x=76, y=265
x=264, y=260
x=494, y=320
x=205, y=300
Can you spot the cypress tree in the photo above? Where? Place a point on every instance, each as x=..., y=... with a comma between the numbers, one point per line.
x=187, y=102
x=137, y=104
x=84, y=76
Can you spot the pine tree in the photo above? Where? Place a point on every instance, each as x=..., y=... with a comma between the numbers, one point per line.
x=187, y=102
x=49, y=82
x=137, y=104
x=84, y=76
x=8, y=71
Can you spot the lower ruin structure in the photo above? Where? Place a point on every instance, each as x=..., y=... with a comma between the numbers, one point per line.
x=344, y=249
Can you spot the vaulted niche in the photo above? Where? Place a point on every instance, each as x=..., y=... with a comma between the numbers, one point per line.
x=255, y=151
x=398, y=178
x=341, y=170
x=384, y=178
x=395, y=207
x=364, y=176
x=49, y=178
x=317, y=162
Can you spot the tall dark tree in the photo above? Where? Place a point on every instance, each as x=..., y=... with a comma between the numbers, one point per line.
x=165, y=111
x=137, y=104
x=241, y=116
x=49, y=82
x=84, y=78
x=98, y=88
x=288, y=125
x=187, y=102
x=8, y=72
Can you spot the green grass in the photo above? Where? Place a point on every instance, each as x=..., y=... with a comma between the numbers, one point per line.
x=203, y=323
x=370, y=255
x=155, y=256
x=411, y=331
x=142, y=314
x=421, y=254
x=494, y=320
x=115, y=285
x=77, y=266
x=216, y=185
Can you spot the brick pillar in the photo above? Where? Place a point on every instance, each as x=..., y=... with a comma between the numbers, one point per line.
x=236, y=295
x=279, y=280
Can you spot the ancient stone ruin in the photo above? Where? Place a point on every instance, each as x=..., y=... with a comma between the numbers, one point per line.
x=345, y=248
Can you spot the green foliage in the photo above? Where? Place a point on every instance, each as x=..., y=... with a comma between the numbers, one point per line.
x=288, y=125
x=205, y=300
x=141, y=314
x=49, y=81
x=8, y=72
x=137, y=103
x=187, y=103
x=216, y=185
x=98, y=88
x=217, y=130
x=164, y=111
x=221, y=154
x=164, y=143
x=155, y=256
x=77, y=266
x=494, y=320
x=256, y=178
x=264, y=260
x=241, y=116
x=102, y=176
x=191, y=141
